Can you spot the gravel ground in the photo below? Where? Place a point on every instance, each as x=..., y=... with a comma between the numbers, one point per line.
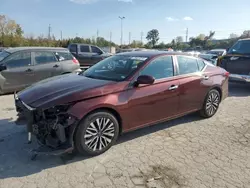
x=187, y=152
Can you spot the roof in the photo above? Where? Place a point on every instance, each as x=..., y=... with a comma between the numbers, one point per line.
x=13, y=50
x=218, y=49
x=151, y=53
x=245, y=39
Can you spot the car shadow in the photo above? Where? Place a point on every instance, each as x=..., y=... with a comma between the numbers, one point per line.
x=239, y=90
x=15, y=156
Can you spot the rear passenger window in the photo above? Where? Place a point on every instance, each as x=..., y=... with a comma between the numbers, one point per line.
x=187, y=65
x=64, y=56
x=84, y=48
x=201, y=64
x=19, y=59
x=44, y=57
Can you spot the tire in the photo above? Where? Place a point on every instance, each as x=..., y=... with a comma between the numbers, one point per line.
x=211, y=104
x=90, y=139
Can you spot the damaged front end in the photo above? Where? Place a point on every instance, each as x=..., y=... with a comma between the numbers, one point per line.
x=53, y=127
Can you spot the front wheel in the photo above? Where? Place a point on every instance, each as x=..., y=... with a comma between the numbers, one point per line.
x=96, y=133
x=211, y=104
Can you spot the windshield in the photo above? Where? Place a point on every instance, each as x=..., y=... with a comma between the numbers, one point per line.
x=115, y=68
x=240, y=47
x=3, y=55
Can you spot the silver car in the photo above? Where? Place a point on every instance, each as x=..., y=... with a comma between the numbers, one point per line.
x=20, y=67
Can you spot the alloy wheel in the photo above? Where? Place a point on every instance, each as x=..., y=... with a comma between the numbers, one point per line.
x=99, y=134
x=212, y=103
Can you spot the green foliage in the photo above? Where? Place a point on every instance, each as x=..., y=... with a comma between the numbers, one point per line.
x=153, y=37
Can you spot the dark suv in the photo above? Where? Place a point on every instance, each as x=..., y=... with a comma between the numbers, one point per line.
x=237, y=61
x=23, y=66
x=86, y=54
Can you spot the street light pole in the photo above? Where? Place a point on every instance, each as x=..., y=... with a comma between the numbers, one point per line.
x=121, y=17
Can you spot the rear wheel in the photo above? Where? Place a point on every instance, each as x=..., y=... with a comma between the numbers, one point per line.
x=211, y=104
x=96, y=133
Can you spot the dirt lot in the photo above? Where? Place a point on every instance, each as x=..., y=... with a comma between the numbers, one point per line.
x=188, y=152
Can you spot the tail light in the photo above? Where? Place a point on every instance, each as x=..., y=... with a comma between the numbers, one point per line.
x=226, y=74
x=75, y=60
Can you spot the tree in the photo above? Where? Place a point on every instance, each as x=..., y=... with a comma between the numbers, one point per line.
x=245, y=34
x=153, y=37
x=136, y=44
x=233, y=36
x=179, y=39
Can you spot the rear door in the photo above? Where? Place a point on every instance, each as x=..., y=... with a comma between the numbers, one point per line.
x=194, y=84
x=96, y=54
x=19, y=73
x=84, y=55
x=45, y=65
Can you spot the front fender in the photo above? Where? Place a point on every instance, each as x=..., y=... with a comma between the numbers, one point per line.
x=82, y=108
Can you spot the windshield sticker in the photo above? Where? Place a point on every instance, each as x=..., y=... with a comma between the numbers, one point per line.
x=139, y=58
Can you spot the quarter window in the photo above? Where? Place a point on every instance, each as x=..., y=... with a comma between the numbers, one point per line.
x=64, y=56
x=44, y=57
x=19, y=59
x=159, y=68
x=84, y=48
x=201, y=64
x=187, y=65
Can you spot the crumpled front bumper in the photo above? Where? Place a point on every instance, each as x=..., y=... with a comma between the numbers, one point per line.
x=29, y=114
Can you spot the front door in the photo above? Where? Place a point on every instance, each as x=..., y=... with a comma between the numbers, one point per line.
x=152, y=103
x=45, y=65
x=19, y=73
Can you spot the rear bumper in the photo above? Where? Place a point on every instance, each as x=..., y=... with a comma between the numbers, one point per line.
x=239, y=78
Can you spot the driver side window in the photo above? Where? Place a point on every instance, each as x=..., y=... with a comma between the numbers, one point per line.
x=19, y=59
x=159, y=68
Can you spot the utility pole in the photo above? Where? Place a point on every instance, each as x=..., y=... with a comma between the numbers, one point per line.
x=187, y=35
x=122, y=18
x=97, y=34
x=110, y=41
x=61, y=35
x=129, y=38
x=141, y=37
x=49, y=34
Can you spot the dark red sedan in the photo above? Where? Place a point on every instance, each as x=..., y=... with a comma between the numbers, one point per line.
x=88, y=111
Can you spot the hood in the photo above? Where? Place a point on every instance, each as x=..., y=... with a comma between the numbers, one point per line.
x=64, y=89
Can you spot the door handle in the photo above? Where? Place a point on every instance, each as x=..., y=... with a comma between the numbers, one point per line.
x=205, y=77
x=55, y=66
x=28, y=70
x=173, y=87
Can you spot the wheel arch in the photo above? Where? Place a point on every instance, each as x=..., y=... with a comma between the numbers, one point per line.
x=103, y=109
x=218, y=88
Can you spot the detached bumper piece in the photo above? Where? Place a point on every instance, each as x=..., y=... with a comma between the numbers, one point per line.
x=53, y=128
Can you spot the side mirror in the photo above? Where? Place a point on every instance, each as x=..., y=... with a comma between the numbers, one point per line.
x=2, y=67
x=145, y=79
